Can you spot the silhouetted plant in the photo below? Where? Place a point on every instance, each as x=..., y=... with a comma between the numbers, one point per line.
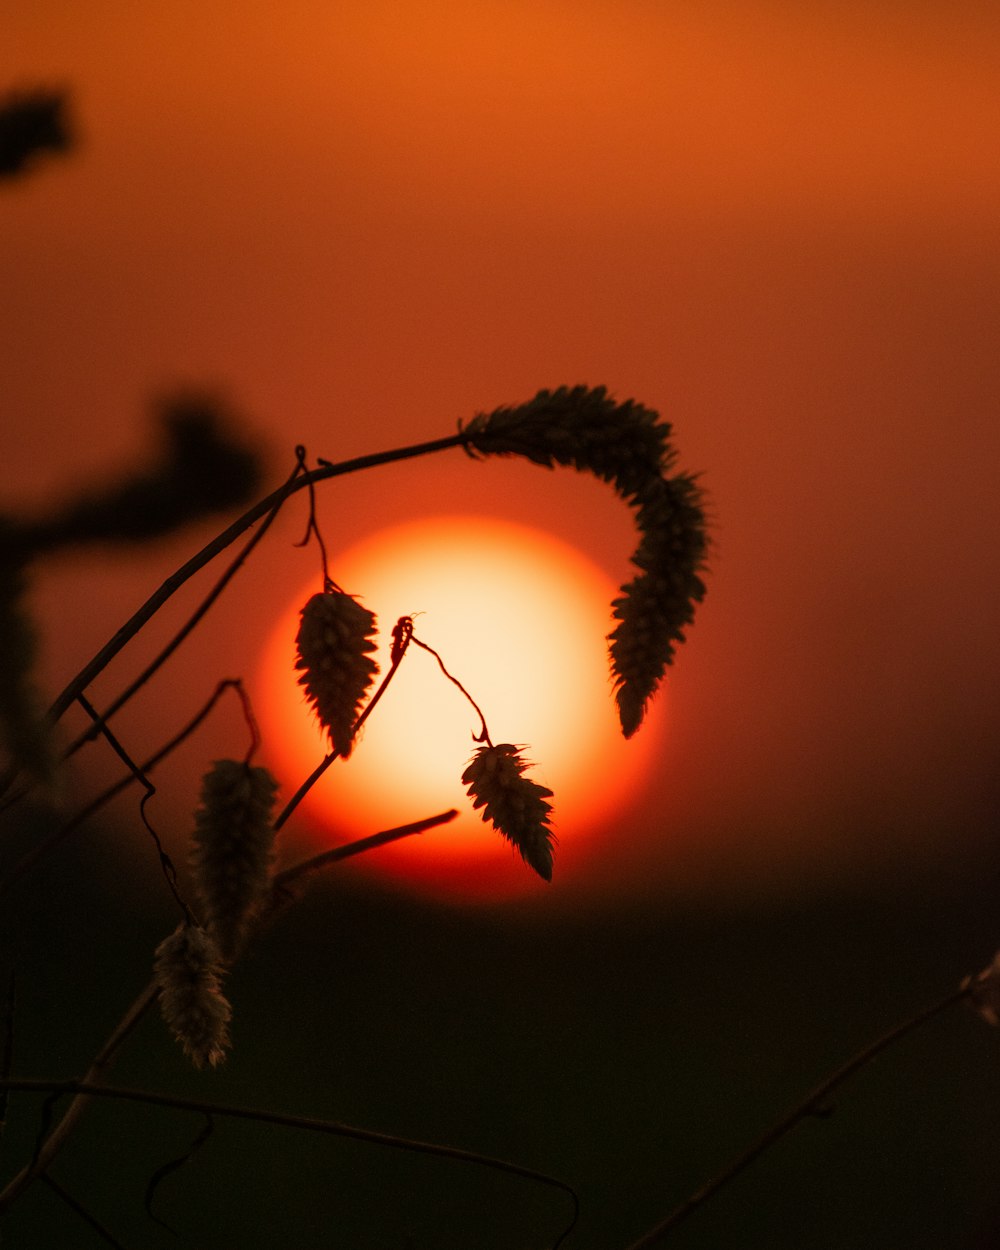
x=32, y=124
x=206, y=467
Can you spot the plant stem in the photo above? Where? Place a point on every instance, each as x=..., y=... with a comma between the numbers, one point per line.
x=222, y=541
x=811, y=1105
x=103, y=1060
x=90, y=1090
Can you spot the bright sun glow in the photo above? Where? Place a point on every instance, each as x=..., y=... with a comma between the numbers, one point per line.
x=520, y=619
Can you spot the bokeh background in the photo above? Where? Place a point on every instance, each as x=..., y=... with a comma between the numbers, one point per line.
x=362, y=222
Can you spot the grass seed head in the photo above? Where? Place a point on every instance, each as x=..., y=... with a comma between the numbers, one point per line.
x=189, y=973
x=654, y=608
x=335, y=641
x=233, y=849
x=582, y=427
x=516, y=806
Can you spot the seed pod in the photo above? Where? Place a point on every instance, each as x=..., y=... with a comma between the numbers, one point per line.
x=189, y=974
x=334, y=645
x=516, y=805
x=232, y=851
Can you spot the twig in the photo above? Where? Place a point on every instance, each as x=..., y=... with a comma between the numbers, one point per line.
x=33, y=857
x=78, y=1207
x=196, y=617
x=484, y=734
x=811, y=1105
x=222, y=541
x=333, y=856
x=54, y=1142
x=334, y=1128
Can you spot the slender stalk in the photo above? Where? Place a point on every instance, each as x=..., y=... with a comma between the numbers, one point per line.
x=103, y=1060
x=90, y=1090
x=208, y=553
x=229, y=535
x=811, y=1105
x=59, y=835
x=333, y=856
x=196, y=617
x=79, y=1209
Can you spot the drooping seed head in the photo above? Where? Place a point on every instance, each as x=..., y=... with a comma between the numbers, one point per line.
x=189, y=973
x=654, y=608
x=516, y=806
x=232, y=849
x=335, y=641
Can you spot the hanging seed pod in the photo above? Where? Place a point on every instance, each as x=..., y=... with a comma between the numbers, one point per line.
x=189, y=974
x=516, y=805
x=233, y=848
x=655, y=607
x=335, y=642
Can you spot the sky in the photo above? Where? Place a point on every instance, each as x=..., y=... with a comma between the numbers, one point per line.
x=363, y=222
x=774, y=224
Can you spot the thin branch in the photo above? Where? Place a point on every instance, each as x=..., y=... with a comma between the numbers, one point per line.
x=55, y=1141
x=79, y=1209
x=43, y=849
x=196, y=617
x=166, y=863
x=222, y=541
x=333, y=856
x=484, y=733
x=309, y=1124
x=208, y=553
x=811, y=1105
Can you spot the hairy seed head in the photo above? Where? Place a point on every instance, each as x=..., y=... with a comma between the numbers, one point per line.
x=582, y=427
x=655, y=607
x=335, y=641
x=517, y=806
x=233, y=848
x=189, y=973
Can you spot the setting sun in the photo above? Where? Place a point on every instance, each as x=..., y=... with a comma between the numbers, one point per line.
x=520, y=619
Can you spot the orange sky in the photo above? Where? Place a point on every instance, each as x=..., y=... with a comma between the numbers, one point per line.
x=776, y=224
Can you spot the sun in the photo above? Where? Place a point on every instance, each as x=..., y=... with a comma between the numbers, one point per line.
x=520, y=618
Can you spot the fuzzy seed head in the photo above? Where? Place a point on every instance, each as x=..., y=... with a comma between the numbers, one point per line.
x=582, y=427
x=335, y=641
x=189, y=973
x=654, y=608
x=233, y=849
x=516, y=806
